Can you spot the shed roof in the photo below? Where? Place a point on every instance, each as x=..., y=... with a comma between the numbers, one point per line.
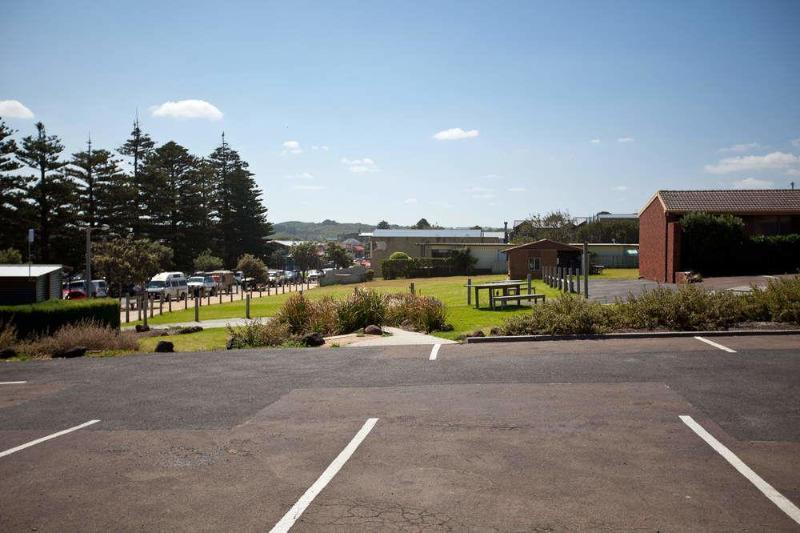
x=427, y=233
x=734, y=201
x=21, y=271
x=545, y=244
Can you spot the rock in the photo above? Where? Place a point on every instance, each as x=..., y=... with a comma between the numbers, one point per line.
x=189, y=329
x=313, y=339
x=495, y=332
x=478, y=333
x=75, y=351
x=165, y=347
x=373, y=330
x=8, y=353
x=141, y=328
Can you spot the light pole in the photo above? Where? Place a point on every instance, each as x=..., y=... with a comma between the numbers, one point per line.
x=88, y=272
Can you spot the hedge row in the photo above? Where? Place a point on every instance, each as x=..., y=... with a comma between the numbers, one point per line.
x=424, y=267
x=47, y=317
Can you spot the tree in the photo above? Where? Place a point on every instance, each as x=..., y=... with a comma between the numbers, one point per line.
x=10, y=256
x=14, y=212
x=556, y=225
x=206, y=262
x=383, y=225
x=138, y=147
x=621, y=231
x=241, y=215
x=277, y=259
x=422, y=224
x=52, y=194
x=252, y=267
x=103, y=190
x=336, y=254
x=305, y=257
x=712, y=244
x=123, y=261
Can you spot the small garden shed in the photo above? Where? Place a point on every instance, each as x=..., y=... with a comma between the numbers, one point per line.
x=531, y=257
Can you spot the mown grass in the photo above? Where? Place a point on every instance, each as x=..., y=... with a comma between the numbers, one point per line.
x=450, y=290
x=202, y=341
x=616, y=273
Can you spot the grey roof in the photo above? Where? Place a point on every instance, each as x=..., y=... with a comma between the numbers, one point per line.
x=476, y=233
x=21, y=271
x=745, y=201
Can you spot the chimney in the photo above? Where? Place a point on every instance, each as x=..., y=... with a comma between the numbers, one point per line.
x=505, y=224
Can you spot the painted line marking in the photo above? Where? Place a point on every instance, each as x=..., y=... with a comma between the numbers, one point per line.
x=766, y=489
x=48, y=437
x=12, y=382
x=305, y=500
x=715, y=345
x=434, y=352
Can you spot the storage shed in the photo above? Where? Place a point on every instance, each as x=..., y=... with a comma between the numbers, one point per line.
x=529, y=258
x=23, y=284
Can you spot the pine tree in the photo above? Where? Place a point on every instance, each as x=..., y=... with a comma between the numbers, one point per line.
x=52, y=195
x=14, y=214
x=138, y=147
x=104, y=191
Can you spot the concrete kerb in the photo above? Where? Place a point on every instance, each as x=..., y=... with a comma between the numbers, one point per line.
x=633, y=335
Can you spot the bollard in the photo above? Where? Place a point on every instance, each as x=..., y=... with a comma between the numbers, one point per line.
x=151, y=305
x=586, y=270
x=144, y=304
x=169, y=305
x=138, y=308
x=197, y=309
x=230, y=291
x=161, y=306
x=469, y=291
x=411, y=287
x=247, y=306
x=127, y=308
x=529, y=282
x=220, y=297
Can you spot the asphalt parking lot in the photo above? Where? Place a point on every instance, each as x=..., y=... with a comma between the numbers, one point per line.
x=652, y=434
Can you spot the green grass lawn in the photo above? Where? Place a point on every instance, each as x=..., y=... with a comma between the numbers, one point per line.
x=616, y=273
x=450, y=290
x=208, y=339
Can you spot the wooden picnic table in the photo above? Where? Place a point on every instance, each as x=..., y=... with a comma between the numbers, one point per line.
x=506, y=286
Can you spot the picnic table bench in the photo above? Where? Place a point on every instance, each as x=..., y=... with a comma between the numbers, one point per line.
x=532, y=297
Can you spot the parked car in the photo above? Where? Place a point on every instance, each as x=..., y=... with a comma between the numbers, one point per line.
x=290, y=275
x=314, y=275
x=168, y=285
x=275, y=278
x=74, y=295
x=202, y=285
x=224, y=279
x=99, y=288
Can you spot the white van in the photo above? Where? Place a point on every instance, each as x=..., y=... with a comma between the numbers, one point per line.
x=168, y=285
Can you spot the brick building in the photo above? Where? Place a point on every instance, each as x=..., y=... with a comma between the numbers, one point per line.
x=531, y=257
x=764, y=212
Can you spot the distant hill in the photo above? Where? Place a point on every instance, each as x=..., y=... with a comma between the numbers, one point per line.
x=294, y=230
x=318, y=231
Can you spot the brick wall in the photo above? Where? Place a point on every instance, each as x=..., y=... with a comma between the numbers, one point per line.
x=653, y=242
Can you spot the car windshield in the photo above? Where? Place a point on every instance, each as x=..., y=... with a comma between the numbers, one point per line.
x=77, y=285
x=209, y=279
x=196, y=279
x=156, y=285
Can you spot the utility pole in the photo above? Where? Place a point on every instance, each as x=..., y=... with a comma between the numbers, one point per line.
x=30, y=242
x=88, y=272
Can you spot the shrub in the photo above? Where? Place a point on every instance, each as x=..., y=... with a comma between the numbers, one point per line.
x=399, y=255
x=90, y=334
x=423, y=312
x=10, y=256
x=420, y=267
x=369, y=275
x=562, y=316
x=780, y=301
x=257, y=334
x=8, y=335
x=42, y=318
x=359, y=310
x=711, y=243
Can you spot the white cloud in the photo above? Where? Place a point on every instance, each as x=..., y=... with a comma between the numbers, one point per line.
x=516, y=189
x=750, y=163
x=301, y=176
x=621, y=188
x=291, y=147
x=492, y=176
x=454, y=134
x=360, y=166
x=753, y=183
x=187, y=109
x=410, y=201
x=478, y=189
x=793, y=172
x=595, y=141
x=309, y=187
x=625, y=140
x=14, y=109
x=320, y=147
x=484, y=196
x=796, y=142
x=738, y=148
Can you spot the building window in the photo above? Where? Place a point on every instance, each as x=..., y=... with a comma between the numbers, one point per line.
x=440, y=252
x=533, y=264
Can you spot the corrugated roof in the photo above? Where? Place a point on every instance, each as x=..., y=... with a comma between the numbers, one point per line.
x=21, y=271
x=427, y=233
x=545, y=244
x=747, y=201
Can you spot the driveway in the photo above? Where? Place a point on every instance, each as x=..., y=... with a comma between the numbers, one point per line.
x=608, y=290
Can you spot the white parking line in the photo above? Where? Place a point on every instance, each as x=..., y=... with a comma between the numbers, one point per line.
x=12, y=382
x=305, y=500
x=43, y=439
x=434, y=352
x=766, y=489
x=715, y=345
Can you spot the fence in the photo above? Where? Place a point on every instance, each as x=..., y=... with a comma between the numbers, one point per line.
x=565, y=279
x=141, y=307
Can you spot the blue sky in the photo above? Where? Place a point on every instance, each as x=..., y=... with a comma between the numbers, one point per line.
x=588, y=106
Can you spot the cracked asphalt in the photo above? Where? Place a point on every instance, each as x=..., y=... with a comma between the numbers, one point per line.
x=545, y=436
